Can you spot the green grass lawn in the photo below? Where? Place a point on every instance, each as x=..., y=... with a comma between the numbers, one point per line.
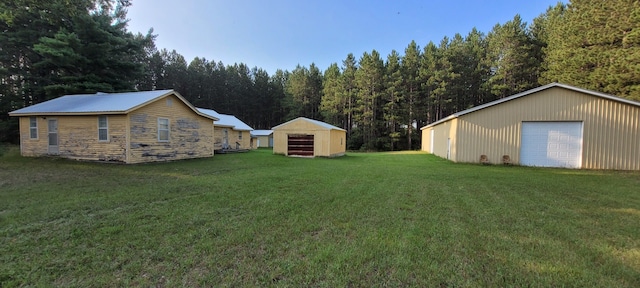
x=257, y=219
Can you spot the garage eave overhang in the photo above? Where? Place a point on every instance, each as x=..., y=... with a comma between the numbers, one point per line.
x=529, y=92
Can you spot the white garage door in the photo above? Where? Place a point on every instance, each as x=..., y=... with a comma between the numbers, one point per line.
x=551, y=144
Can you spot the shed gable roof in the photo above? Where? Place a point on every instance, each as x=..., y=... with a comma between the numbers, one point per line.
x=227, y=120
x=100, y=103
x=529, y=92
x=261, y=132
x=321, y=124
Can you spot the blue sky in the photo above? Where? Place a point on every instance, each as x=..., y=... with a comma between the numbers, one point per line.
x=279, y=34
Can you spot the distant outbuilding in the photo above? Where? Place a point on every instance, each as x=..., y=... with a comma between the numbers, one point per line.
x=230, y=132
x=131, y=127
x=555, y=125
x=309, y=138
x=263, y=138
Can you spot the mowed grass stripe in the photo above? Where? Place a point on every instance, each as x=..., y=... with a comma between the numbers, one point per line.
x=367, y=219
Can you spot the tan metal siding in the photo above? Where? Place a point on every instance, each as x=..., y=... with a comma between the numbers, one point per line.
x=426, y=139
x=443, y=133
x=610, y=136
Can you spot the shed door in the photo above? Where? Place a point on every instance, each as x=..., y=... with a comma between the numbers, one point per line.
x=551, y=144
x=300, y=145
x=52, y=125
x=433, y=134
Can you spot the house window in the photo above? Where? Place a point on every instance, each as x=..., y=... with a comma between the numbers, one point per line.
x=163, y=129
x=103, y=129
x=33, y=127
x=239, y=135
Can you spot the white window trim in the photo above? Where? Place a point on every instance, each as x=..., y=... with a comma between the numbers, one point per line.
x=33, y=128
x=239, y=135
x=168, y=129
x=105, y=128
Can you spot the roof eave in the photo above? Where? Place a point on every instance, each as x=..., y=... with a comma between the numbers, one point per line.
x=66, y=113
x=312, y=121
x=528, y=92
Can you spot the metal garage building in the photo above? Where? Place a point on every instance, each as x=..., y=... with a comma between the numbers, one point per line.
x=309, y=138
x=555, y=125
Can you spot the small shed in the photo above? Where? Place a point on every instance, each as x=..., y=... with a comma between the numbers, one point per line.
x=263, y=138
x=230, y=132
x=555, y=125
x=130, y=127
x=309, y=138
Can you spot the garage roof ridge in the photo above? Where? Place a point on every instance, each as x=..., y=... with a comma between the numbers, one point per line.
x=528, y=92
x=317, y=122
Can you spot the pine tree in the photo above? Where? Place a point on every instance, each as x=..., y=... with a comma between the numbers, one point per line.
x=393, y=98
x=152, y=68
x=261, y=105
x=478, y=73
x=54, y=47
x=298, y=88
x=411, y=92
x=174, y=72
x=196, y=88
x=369, y=79
x=279, y=97
x=596, y=45
x=441, y=78
x=96, y=54
x=541, y=33
x=513, y=56
x=428, y=67
x=349, y=90
x=332, y=103
x=315, y=91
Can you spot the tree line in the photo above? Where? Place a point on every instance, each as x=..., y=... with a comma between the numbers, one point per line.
x=57, y=47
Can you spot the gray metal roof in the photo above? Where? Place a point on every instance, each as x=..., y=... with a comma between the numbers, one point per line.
x=261, y=132
x=528, y=92
x=316, y=122
x=227, y=120
x=99, y=103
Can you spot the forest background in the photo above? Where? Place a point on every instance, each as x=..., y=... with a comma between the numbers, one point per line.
x=59, y=47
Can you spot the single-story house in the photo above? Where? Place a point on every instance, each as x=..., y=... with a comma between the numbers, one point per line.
x=307, y=137
x=230, y=132
x=263, y=138
x=131, y=127
x=555, y=125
